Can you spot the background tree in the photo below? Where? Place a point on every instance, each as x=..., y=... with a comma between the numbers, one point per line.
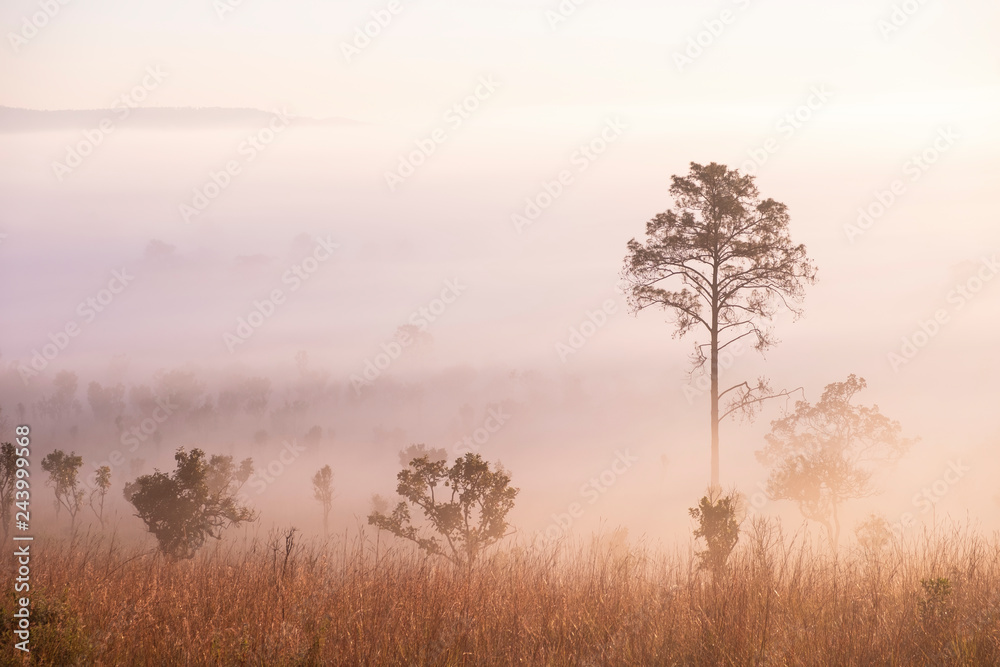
x=722, y=261
x=64, y=478
x=874, y=534
x=195, y=502
x=323, y=493
x=416, y=451
x=821, y=455
x=107, y=403
x=313, y=435
x=57, y=405
x=466, y=504
x=8, y=470
x=102, y=483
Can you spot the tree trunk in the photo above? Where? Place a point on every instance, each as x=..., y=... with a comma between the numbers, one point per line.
x=715, y=400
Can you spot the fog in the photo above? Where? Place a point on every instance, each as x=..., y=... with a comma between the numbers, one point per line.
x=495, y=297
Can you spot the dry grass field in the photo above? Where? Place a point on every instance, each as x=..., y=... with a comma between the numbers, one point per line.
x=933, y=600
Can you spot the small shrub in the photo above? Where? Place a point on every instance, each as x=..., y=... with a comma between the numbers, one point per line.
x=717, y=525
x=936, y=608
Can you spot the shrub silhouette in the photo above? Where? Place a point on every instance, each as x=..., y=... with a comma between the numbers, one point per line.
x=8, y=479
x=466, y=504
x=102, y=484
x=64, y=471
x=197, y=501
x=323, y=493
x=718, y=526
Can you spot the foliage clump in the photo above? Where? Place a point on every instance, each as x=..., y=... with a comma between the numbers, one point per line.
x=718, y=526
x=64, y=478
x=465, y=504
x=195, y=502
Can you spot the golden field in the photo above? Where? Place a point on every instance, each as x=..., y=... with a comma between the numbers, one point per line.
x=270, y=600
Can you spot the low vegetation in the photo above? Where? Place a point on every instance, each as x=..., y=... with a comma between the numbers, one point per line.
x=277, y=600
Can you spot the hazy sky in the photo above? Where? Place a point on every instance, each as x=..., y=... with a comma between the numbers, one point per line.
x=262, y=54
x=840, y=102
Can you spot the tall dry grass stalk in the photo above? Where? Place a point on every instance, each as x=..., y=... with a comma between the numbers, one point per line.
x=278, y=599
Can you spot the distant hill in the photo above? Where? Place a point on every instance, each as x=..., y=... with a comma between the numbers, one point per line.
x=13, y=120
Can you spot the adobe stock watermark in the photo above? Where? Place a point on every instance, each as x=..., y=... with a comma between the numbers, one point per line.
x=562, y=12
x=580, y=160
x=580, y=334
x=275, y=468
x=366, y=33
x=421, y=318
x=87, y=311
x=225, y=7
x=264, y=309
x=495, y=420
x=453, y=119
x=32, y=25
x=901, y=14
x=122, y=108
x=914, y=169
x=712, y=30
x=929, y=496
x=591, y=491
x=248, y=150
x=786, y=127
x=927, y=329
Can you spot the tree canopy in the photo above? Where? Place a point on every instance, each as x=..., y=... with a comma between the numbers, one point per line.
x=824, y=454
x=721, y=261
x=465, y=504
x=64, y=471
x=195, y=502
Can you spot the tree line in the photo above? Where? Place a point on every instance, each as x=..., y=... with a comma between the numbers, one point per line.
x=721, y=262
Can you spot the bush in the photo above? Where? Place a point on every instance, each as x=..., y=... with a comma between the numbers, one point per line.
x=718, y=526
x=194, y=503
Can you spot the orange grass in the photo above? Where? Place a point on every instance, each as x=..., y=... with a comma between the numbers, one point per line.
x=357, y=602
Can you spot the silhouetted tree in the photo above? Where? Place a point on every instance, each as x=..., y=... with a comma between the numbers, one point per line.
x=416, y=451
x=722, y=261
x=8, y=479
x=64, y=470
x=257, y=391
x=185, y=393
x=59, y=403
x=466, y=504
x=323, y=493
x=821, y=455
x=197, y=501
x=102, y=483
x=107, y=403
x=313, y=435
x=243, y=393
